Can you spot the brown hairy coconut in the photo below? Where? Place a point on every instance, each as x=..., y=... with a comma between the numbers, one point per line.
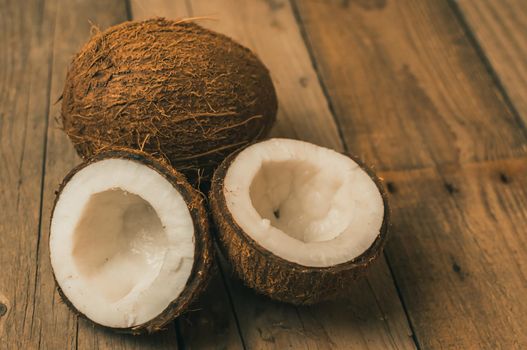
x=298, y=222
x=129, y=242
x=170, y=88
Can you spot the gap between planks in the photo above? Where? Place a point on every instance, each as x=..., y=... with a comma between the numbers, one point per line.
x=454, y=4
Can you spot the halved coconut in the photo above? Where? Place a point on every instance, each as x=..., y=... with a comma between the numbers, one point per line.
x=297, y=221
x=129, y=241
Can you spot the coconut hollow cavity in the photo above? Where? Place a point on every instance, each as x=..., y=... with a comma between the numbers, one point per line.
x=171, y=88
x=129, y=242
x=297, y=221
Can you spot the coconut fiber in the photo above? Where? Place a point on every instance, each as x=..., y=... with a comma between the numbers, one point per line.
x=170, y=88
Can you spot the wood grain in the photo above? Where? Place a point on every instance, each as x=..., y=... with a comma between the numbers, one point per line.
x=408, y=88
x=26, y=38
x=500, y=28
x=72, y=29
x=142, y=9
x=372, y=315
x=411, y=92
x=459, y=253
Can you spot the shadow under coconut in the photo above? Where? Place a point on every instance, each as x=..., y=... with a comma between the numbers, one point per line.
x=371, y=306
x=94, y=337
x=210, y=322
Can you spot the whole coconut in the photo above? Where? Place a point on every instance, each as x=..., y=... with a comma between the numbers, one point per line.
x=170, y=88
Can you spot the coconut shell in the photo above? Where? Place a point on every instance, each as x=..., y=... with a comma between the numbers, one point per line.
x=203, y=253
x=170, y=88
x=276, y=277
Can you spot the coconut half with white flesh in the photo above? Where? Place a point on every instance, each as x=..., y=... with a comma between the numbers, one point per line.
x=298, y=222
x=129, y=242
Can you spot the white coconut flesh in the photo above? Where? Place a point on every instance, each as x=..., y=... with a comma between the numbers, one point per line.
x=304, y=203
x=121, y=242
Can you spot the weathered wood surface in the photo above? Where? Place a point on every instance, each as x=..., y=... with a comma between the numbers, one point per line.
x=429, y=92
x=25, y=65
x=408, y=88
x=412, y=94
x=458, y=253
x=500, y=29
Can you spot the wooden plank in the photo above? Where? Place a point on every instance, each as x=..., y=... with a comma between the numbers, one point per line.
x=500, y=28
x=73, y=23
x=408, y=88
x=159, y=8
x=411, y=92
x=25, y=60
x=372, y=315
x=459, y=253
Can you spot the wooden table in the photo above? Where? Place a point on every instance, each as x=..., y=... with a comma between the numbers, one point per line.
x=432, y=93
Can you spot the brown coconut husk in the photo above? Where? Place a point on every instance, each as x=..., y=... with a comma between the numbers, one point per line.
x=278, y=278
x=203, y=253
x=170, y=88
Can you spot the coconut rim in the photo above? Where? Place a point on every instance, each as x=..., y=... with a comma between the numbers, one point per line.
x=203, y=249
x=364, y=259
